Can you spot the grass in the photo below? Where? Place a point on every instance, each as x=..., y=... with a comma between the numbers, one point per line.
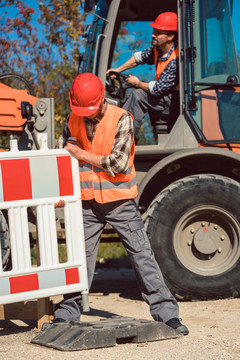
x=105, y=251
x=111, y=251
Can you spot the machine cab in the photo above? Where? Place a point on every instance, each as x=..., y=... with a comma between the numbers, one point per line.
x=209, y=44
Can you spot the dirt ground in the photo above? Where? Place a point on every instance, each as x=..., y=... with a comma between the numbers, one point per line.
x=214, y=327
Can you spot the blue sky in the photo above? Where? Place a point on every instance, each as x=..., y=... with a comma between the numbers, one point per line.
x=235, y=18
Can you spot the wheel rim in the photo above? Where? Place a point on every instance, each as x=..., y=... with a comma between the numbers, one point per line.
x=206, y=240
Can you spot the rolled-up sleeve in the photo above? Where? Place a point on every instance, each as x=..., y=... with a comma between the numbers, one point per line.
x=117, y=162
x=138, y=57
x=145, y=57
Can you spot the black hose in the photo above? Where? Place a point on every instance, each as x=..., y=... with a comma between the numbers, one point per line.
x=21, y=78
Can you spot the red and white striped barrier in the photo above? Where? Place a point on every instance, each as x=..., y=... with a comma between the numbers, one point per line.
x=39, y=179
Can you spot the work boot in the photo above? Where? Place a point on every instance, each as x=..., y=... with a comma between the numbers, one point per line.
x=178, y=326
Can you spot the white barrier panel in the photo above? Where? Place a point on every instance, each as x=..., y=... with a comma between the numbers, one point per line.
x=40, y=178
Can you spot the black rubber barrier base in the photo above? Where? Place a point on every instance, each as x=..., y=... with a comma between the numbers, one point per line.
x=77, y=335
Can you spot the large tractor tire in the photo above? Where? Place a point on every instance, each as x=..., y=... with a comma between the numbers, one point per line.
x=193, y=227
x=5, y=241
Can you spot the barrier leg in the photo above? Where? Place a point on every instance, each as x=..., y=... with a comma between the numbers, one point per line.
x=44, y=311
x=44, y=305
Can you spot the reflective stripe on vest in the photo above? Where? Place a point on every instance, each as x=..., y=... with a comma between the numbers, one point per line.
x=120, y=185
x=108, y=185
x=88, y=167
x=161, y=65
x=95, y=182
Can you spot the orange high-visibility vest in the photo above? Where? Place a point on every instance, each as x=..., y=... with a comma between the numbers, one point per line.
x=95, y=182
x=161, y=65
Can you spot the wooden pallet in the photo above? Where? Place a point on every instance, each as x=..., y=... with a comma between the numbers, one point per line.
x=39, y=310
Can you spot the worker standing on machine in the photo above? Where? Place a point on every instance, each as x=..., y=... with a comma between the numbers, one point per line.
x=160, y=95
x=105, y=149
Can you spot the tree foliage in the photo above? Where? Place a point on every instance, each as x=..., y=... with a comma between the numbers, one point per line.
x=43, y=45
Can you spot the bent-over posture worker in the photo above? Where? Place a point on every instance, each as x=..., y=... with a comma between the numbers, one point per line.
x=105, y=150
x=161, y=94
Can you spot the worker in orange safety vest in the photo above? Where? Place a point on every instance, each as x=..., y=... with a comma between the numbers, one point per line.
x=100, y=136
x=160, y=96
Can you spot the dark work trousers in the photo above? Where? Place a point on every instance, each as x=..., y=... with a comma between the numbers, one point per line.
x=126, y=220
x=140, y=102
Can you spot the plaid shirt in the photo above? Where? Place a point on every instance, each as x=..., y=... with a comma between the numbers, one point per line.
x=168, y=78
x=117, y=161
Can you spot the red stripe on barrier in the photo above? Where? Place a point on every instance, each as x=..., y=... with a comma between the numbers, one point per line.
x=72, y=276
x=16, y=179
x=23, y=283
x=65, y=175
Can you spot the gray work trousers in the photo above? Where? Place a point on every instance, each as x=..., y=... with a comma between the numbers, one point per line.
x=126, y=220
x=140, y=102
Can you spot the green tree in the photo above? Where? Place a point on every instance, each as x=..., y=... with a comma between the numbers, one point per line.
x=43, y=47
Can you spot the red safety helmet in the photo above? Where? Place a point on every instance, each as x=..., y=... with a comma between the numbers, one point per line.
x=166, y=21
x=86, y=94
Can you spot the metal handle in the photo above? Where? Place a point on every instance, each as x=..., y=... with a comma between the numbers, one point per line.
x=96, y=51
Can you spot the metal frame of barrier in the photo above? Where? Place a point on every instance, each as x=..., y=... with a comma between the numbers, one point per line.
x=41, y=178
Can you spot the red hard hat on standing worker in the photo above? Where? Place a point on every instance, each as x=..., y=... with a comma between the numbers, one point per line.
x=86, y=94
x=166, y=21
